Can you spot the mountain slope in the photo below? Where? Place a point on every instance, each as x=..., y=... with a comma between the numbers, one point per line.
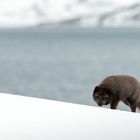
x=102, y=13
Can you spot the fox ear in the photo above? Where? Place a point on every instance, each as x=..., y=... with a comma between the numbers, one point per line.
x=96, y=89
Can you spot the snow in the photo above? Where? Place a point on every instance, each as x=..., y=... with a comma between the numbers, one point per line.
x=19, y=13
x=27, y=118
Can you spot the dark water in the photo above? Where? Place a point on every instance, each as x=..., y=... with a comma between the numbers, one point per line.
x=65, y=63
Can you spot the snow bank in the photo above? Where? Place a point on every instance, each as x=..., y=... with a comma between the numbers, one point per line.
x=25, y=118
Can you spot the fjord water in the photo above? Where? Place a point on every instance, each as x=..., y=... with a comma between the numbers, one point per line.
x=65, y=64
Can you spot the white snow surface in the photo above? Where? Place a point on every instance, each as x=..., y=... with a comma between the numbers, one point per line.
x=85, y=13
x=26, y=118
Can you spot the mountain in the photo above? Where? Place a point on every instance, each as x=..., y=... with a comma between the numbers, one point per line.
x=85, y=13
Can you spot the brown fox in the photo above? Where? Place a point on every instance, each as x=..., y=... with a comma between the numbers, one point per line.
x=118, y=88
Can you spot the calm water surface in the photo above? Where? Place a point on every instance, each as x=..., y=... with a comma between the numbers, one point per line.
x=65, y=63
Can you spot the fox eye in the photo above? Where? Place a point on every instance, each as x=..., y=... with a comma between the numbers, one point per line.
x=96, y=96
x=106, y=97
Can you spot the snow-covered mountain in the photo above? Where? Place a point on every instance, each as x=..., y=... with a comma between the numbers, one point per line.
x=96, y=13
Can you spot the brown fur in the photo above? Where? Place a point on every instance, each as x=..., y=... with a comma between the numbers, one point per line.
x=118, y=88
